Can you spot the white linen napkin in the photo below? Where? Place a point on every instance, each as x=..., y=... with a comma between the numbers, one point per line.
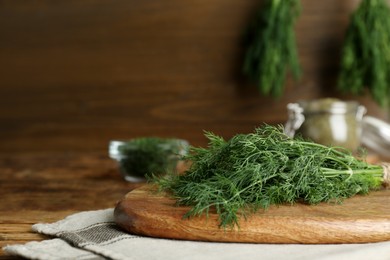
x=94, y=235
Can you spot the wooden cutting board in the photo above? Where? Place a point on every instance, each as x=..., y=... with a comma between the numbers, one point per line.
x=360, y=219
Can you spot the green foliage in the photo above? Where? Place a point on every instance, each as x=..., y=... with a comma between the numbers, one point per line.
x=365, y=58
x=271, y=46
x=253, y=171
x=149, y=155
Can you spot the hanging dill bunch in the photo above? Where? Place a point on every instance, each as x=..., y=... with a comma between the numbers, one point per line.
x=365, y=61
x=253, y=171
x=271, y=47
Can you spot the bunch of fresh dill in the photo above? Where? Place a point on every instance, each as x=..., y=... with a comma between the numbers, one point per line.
x=253, y=171
x=271, y=47
x=365, y=60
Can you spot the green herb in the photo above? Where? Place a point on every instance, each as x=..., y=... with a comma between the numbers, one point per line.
x=149, y=155
x=253, y=171
x=365, y=58
x=271, y=46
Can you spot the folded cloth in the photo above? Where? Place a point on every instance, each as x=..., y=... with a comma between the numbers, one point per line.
x=94, y=235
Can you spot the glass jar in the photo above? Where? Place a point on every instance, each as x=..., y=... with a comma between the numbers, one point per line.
x=327, y=121
x=140, y=157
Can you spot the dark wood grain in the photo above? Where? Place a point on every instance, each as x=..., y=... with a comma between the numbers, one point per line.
x=75, y=74
x=36, y=188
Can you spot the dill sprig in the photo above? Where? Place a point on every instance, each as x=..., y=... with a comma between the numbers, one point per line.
x=253, y=171
x=271, y=46
x=365, y=61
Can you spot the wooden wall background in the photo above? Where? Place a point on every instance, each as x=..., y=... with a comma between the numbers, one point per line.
x=75, y=74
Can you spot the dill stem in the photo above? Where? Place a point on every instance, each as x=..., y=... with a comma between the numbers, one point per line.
x=377, y=172
x=331, y=149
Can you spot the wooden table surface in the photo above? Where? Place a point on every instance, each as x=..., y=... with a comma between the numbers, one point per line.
x=48, y=187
